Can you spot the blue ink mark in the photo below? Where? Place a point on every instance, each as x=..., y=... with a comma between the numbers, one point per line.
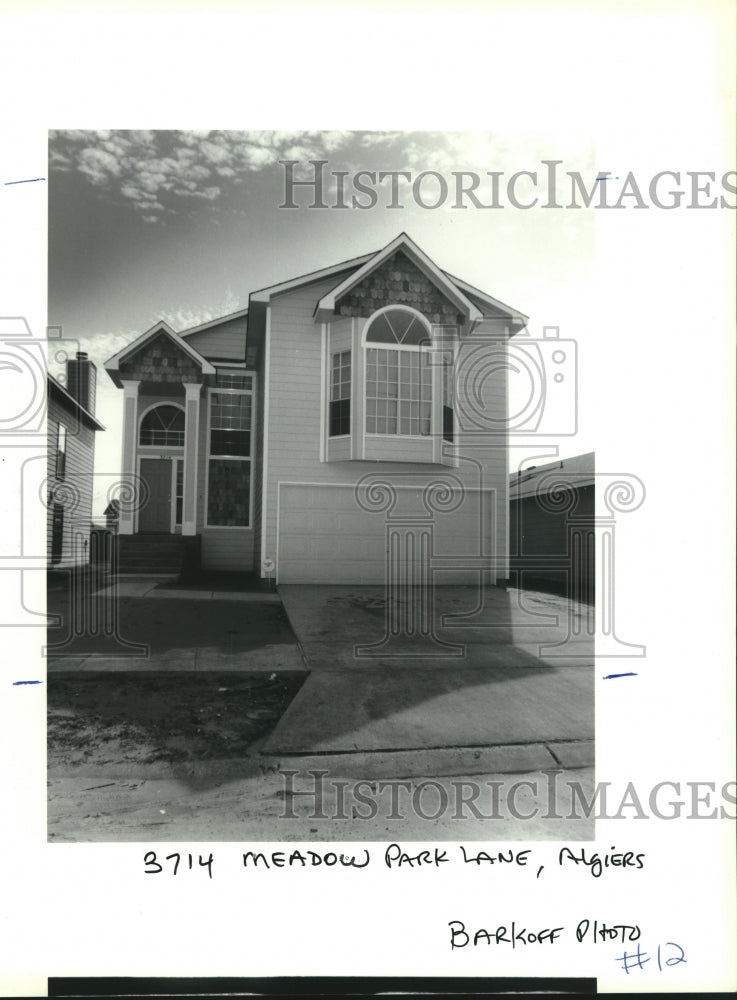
x=17, y=683
x=31, y=180
x=609, y=677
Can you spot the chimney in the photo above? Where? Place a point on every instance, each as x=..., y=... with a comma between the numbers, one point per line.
x=82, y=381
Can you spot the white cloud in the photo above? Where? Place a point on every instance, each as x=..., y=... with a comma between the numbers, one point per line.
x=151, y=169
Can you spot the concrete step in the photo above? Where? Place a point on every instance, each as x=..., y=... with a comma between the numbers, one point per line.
x=155, y=553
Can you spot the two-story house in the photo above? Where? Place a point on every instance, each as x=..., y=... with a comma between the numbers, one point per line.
x=71, y=428
x=349, y=424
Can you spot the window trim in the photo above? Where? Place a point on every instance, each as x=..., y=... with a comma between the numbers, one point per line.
x=230, y=458
x=61, y=476
x=349, y=398
x=167, y=449
x=419, y=349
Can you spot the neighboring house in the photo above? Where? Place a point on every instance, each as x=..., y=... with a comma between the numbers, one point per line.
x=349, y=416
x=551, y=515
x=71, y=428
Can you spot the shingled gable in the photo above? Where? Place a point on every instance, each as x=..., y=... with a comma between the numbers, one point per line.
x=400, y=273
x=159, y=355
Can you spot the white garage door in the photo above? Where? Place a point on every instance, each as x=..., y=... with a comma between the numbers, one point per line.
x=325, y=536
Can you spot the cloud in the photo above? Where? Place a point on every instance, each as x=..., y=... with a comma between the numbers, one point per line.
x=152, y=169
x=157, y=172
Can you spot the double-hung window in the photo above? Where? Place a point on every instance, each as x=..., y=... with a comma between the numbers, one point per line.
x=229, y=450
x=340, y=394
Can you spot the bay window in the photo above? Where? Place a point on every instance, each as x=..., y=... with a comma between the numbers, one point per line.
x=398, y=377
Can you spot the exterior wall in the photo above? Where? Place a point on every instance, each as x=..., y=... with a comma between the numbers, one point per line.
x=227, y=341
x=74, y=492
x=296, y=411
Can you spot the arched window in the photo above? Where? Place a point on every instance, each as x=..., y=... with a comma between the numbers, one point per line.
x=398, y=375
x=163, y=426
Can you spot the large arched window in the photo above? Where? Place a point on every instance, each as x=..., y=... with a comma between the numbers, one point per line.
x=398, y=373
x=163, y=426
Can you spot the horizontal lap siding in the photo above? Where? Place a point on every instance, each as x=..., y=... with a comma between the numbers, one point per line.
x=80, y=452
x=227, y=549
x=227, y=340
x=294, y=420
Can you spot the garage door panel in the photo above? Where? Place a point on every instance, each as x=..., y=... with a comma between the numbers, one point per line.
x=326, y=537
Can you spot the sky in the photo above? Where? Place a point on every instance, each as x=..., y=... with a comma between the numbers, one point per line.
x=183, y=225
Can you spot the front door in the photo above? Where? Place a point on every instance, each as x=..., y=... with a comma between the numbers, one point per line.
x=155, y=515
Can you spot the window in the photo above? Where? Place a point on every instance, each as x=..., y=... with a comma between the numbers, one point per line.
x=448, y=415
x=398, y=392
x=163, y=426
x=61, y=451
x=233, y=380
x=230, y=424
x=340, y=394
x=179, y=494
x=229, y=453
x=398, y=378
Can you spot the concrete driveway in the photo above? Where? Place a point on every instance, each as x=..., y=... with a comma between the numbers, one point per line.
x=506, y=669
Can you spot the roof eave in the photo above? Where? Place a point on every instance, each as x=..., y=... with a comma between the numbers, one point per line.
x=83, y=413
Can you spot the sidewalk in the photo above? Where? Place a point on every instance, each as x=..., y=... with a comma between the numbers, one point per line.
x=150, y=624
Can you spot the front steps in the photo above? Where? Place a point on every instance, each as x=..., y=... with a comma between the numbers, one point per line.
x=154, y=554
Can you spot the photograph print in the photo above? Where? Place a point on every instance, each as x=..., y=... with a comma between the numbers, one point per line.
x=320, y=496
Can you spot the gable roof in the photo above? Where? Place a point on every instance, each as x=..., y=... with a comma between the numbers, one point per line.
x=238, y=314
x=326, y=306
x=518, y=320
x=65, y=397
x=469, y=300
x=263, y=295
x=112, y=365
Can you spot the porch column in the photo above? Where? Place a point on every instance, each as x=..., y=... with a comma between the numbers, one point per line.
x=191, y=435
x=130, y=493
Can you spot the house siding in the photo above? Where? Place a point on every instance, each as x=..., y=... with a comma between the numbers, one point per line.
x=295, y=415
x=74, y=492
x=227, y=341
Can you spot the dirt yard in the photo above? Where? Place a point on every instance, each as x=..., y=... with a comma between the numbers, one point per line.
x=173, y=717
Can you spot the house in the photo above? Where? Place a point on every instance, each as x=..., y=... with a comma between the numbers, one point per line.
x=552, y=526
x=348, y=420
x=71, y=428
